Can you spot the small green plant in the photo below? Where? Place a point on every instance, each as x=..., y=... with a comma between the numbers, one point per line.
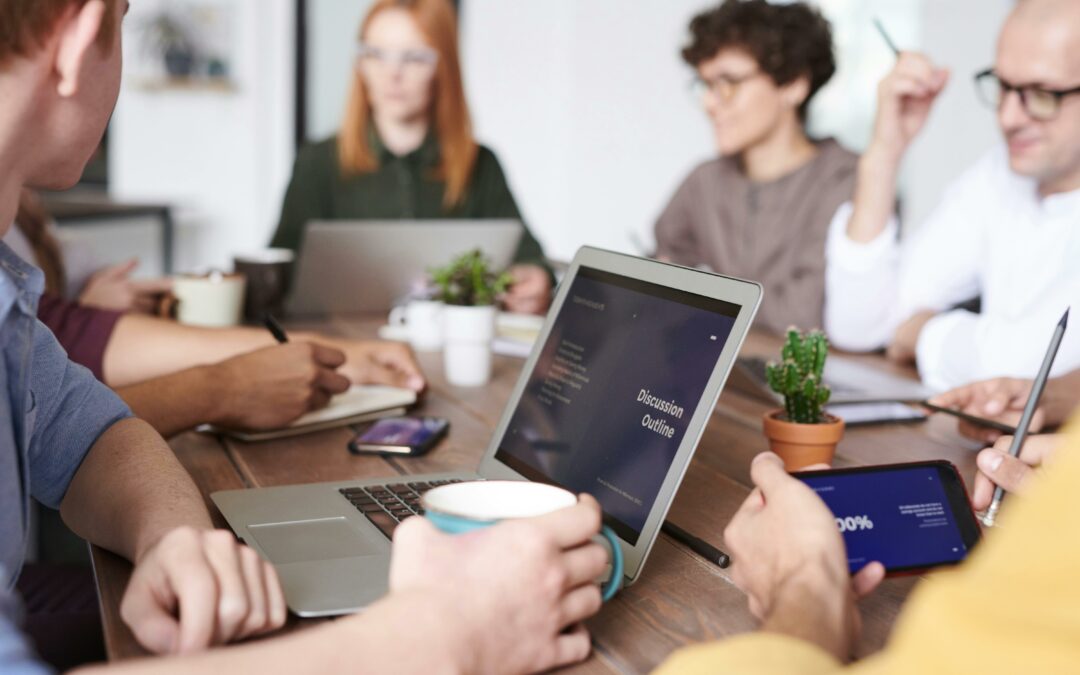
x=798, y=376
x=468, y=281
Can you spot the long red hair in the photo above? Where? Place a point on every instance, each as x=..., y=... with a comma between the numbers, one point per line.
x=457, y=147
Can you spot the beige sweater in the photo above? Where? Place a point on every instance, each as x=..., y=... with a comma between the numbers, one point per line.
x=773, y=233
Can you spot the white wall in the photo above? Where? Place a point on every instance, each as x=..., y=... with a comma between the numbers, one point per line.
x=962, y=35
x=333, y=26
x=588, y=106
x=223, y=159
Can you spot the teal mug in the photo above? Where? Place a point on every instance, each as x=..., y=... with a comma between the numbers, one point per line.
x=464, y=507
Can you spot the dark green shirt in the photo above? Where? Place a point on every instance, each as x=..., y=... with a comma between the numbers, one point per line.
x=401, y=188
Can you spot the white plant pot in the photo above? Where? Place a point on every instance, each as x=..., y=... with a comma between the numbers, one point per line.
x=468, y=333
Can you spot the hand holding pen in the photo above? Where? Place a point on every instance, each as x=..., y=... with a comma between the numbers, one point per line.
x=1017, y=443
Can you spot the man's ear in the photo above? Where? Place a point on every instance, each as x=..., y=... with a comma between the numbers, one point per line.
x=78, y=34
x=796, y=91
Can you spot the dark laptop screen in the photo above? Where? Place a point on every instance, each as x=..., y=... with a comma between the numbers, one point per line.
x=612, y=394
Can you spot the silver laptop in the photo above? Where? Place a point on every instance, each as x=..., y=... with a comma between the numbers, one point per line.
x=850, y=381
x=356, y=266
x=612, y=401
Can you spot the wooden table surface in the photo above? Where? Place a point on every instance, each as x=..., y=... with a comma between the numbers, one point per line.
x=679, y=599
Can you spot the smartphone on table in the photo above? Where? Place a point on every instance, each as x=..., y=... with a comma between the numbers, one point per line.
x=885, y=412
x=909, y=517
x=410, y=436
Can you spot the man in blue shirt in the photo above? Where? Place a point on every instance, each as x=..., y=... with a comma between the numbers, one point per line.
x=508, y=599
x=65, y=439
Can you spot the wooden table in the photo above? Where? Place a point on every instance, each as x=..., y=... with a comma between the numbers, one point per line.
x=680, y=598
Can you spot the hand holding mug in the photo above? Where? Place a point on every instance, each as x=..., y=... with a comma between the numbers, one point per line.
x=525, y=582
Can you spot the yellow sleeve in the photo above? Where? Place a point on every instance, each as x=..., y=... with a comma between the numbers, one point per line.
x=1014, y=605
x=751, y=654
x=1011, y=608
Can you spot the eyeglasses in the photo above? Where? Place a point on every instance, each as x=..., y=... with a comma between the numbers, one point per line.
x=420, y=61
x=724, y=87
x=1040, y=103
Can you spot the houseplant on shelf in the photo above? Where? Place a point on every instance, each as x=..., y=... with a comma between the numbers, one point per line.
x=469, y=289
x=801, y=432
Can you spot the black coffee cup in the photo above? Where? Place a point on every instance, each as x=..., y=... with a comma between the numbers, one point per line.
x=269, y=277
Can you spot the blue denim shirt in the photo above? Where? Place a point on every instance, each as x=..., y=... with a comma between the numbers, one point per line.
x=51, y=412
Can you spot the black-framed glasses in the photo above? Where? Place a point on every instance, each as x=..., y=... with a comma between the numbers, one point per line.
x=723, y=86
x=1040, y=103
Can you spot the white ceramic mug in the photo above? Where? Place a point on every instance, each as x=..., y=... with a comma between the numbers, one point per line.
x=468, y=332
x=464, y=507
x=423, y=323
x=213, y=300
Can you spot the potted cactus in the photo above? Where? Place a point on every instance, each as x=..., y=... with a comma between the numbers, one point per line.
x=469, y=288
x=801, y=432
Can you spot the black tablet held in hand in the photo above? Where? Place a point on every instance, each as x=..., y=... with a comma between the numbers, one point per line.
x=909, y=517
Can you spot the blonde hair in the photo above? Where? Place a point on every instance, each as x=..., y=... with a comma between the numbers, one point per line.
x=457, y=147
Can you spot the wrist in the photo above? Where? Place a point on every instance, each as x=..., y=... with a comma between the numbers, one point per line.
x=220, y=393
x=816, y=605
x=432, y=616
x=881, y=158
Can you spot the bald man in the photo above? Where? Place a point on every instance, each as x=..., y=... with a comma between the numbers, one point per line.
x=1007, y=230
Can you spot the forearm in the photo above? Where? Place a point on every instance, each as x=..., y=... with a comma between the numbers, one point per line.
x=875, y=195
x=862, y=283
x=145, y=347
x=193, y=398
x=130, y=491
x=399, y=634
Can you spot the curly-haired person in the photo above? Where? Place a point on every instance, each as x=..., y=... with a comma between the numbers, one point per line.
x=761, y=210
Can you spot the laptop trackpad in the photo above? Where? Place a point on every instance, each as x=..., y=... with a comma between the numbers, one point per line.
x=307, y=540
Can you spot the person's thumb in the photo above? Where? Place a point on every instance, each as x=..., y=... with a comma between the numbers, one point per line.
x=153, y=627
x=1004, y=470
x=866, y=580
x=767, y=472
x=124, y=269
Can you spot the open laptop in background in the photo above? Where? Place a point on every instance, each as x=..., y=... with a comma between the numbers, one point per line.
x=850, y=381
x=358, y=266
x=612, y=401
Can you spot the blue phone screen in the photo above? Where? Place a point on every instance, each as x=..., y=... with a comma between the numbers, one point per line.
x=900, y=517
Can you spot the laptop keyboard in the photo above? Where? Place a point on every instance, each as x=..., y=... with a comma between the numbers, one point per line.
x=387, y=505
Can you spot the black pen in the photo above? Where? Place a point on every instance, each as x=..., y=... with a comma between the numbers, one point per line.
x=885, y=36
x=699, y=546
x=1029, y=411
x=275, y=328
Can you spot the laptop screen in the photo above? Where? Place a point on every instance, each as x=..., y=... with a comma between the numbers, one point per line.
x=611, y=396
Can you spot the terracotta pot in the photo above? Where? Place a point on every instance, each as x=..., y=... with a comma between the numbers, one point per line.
x=801, y=445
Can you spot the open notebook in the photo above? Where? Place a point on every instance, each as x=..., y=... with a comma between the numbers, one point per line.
x=359, y=404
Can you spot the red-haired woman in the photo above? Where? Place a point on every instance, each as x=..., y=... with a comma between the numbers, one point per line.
x=406, y=148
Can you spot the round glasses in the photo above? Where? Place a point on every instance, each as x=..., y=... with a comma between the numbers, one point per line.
x=419, y=61
x=1039, y=103
x=724, y=87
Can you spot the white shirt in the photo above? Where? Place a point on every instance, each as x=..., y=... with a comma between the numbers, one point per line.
x=992, y=235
